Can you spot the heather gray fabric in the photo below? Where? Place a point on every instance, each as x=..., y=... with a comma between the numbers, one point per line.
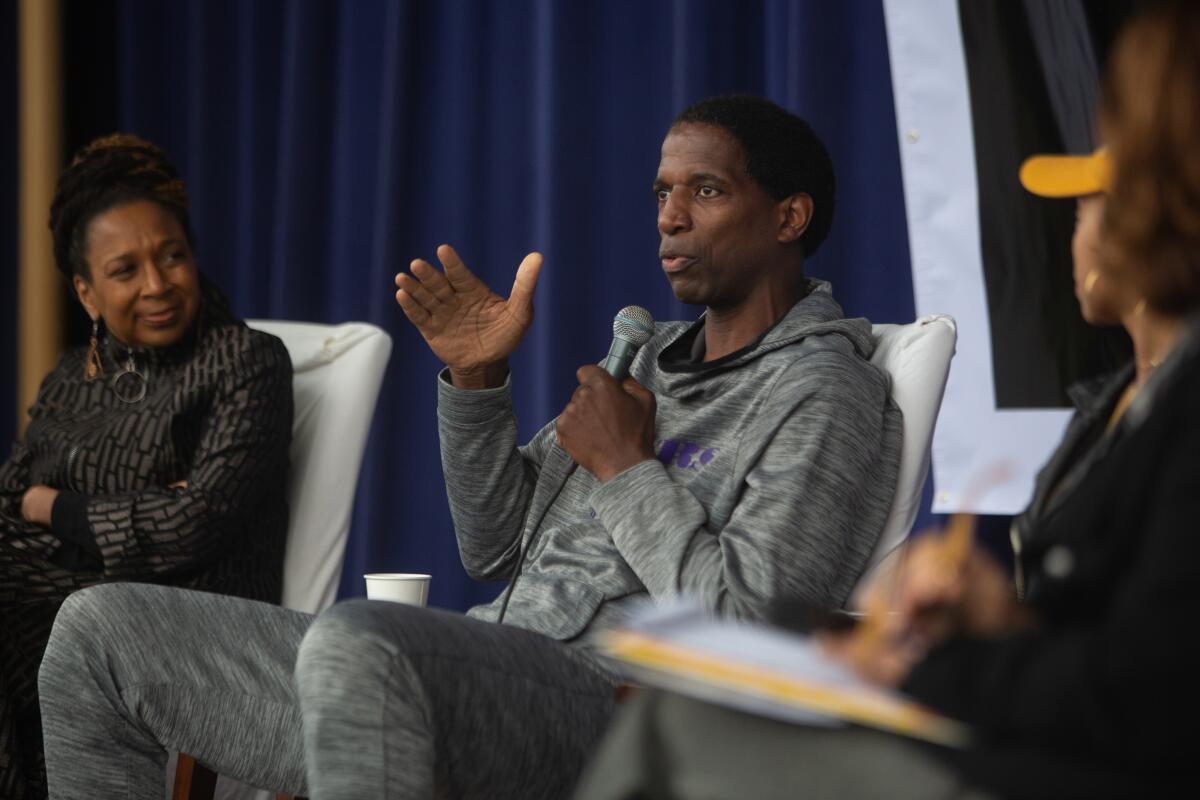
x=396, y=701
x=133, y=671
x=774, y=477
x=408, y=702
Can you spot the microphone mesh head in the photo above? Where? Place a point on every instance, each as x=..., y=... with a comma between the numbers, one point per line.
x=633, y=324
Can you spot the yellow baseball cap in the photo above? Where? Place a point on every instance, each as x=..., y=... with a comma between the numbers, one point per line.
x=1067, y=176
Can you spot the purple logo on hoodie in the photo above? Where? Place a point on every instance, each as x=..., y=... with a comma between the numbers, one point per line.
x=685, y=455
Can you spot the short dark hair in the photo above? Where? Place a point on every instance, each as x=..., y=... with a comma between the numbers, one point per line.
x=111, y=171
x=783, y=154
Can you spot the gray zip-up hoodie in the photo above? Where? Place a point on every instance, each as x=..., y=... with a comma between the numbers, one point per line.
x=775, y=472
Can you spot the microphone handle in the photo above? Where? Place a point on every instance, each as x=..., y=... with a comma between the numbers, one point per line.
x=620, y=356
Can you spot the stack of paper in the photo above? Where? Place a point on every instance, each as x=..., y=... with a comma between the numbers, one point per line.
x=763, y=671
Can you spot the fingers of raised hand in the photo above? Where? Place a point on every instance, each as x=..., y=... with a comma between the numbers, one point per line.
x=526, y=281
x=417, y=290
x=416, y=313
x=457, y=274
x=449, y=257
x=415, y=300
x=432, y=280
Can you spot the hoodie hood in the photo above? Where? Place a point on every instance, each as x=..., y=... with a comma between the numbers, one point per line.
x=814, y=325
x=817, y=314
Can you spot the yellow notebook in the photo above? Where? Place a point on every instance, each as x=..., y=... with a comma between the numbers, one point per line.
x=764, y=671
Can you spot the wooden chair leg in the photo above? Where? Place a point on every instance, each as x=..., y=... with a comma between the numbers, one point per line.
x=193, y=780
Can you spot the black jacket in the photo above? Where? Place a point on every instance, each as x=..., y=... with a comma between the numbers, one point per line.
x=1109, y=556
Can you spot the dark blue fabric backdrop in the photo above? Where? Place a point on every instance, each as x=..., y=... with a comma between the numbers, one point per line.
x=326, y=144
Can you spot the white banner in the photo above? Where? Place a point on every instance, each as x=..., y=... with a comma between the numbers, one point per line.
x=984, y=459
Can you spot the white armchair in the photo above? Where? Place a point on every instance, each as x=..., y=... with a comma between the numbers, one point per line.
x=337, y=371
x=917, y=357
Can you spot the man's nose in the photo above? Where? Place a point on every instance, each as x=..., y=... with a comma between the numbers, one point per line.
x=673, y=215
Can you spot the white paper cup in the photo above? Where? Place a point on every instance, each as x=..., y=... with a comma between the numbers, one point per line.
x=399, y=587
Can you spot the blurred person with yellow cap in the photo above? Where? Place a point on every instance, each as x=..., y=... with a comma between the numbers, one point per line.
x=1077, y=678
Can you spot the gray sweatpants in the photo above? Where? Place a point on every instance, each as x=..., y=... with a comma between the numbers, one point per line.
x=368, y=700
x=667, y=746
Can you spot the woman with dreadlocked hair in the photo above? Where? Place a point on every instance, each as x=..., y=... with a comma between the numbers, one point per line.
x=157, y=453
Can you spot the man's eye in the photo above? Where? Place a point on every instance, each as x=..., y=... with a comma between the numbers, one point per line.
x=662, y=194
x=708, y=191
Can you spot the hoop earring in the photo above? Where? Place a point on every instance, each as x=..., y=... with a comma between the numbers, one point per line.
x=129, y=384
x=1089, y=282
x=93, y=367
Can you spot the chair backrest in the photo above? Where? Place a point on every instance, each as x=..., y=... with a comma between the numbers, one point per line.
x=917, y=357
x=338, y=370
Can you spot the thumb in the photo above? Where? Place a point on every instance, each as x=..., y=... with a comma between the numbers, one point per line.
x=526, y=281
x=644, y=396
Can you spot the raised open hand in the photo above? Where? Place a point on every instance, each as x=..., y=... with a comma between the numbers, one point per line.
x=469, y=327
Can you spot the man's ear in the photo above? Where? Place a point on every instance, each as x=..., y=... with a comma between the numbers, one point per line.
x=795, y=215
x=87, y=296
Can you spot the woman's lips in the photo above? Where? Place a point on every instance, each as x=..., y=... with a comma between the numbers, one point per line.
x=160, y=318
x=676, y=263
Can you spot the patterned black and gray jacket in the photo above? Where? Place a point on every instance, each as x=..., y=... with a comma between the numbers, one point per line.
x=217, y=414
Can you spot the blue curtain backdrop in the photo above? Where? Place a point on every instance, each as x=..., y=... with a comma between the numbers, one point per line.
x=327, y=144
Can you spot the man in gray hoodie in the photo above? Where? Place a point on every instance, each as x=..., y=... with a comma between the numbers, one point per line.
x=751, y=455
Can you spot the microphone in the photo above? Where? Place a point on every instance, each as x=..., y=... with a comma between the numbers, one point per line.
x=632, y=327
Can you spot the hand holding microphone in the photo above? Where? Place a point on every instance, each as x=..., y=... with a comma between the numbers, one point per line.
x=608, y=426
